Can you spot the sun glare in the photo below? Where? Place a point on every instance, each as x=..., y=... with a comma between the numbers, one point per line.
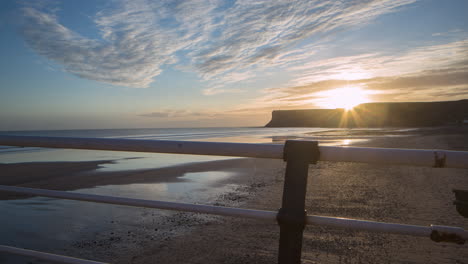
x=346, y=97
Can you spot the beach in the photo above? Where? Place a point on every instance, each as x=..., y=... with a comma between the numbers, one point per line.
x=119, y=117
x=400, y=194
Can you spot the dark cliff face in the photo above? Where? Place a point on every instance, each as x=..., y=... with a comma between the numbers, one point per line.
x=416, y=114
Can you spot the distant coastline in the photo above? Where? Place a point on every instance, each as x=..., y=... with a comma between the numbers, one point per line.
x=375, y=115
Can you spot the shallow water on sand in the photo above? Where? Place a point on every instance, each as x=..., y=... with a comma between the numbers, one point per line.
x=47, y=224
x=50, y=224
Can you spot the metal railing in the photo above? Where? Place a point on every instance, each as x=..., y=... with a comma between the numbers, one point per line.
x=291, y=217
x=46, y=256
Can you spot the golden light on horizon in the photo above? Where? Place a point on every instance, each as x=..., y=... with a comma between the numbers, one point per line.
x=346, y=97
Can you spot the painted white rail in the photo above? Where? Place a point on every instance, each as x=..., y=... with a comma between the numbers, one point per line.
x=389, y=156
x=267, y=216
x=46, y=256
x=290, y=248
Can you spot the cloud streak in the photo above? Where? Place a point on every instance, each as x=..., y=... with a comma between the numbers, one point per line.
x=219, y=40
x=177, y=113
x=377, y=64
x=423, y=74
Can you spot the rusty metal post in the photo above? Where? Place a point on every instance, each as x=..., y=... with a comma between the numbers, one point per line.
x=292, y=215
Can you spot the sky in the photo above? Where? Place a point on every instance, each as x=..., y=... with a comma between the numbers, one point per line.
x=142, y=64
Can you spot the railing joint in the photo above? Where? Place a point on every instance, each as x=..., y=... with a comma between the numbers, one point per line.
x=301, y=150
x=447, y=234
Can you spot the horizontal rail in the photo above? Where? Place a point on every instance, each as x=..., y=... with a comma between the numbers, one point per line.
x=45, y=256
x=153, y=146
x=184, y=207
x=388, y=156
x=268, y=216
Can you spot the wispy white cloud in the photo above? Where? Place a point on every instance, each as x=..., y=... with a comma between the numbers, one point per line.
x=184, y=114
x=451, y=33
x=177, y=113
x=437, y=72
x=220, y=40
x=130, y=52
x=203, y=118
x=218, y=89
x=370, y=65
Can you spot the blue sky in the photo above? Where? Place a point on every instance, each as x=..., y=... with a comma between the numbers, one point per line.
x=122, y=64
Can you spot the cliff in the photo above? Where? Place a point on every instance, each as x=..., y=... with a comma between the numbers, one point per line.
x=413, y=114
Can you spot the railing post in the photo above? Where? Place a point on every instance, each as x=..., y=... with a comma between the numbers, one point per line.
x=292, y=215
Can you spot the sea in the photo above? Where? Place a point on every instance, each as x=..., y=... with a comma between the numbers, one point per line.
x=130, y=160
x=48, y=224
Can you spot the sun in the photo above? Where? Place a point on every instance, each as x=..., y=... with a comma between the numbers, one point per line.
x=346, y=97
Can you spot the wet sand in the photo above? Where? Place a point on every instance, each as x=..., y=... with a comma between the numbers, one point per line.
x=401, y=194
x=412, y=195
x=80, y=175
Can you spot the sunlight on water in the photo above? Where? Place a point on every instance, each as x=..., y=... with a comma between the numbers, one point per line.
x=57, y=222
x=193, y=186
x=46, y=224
